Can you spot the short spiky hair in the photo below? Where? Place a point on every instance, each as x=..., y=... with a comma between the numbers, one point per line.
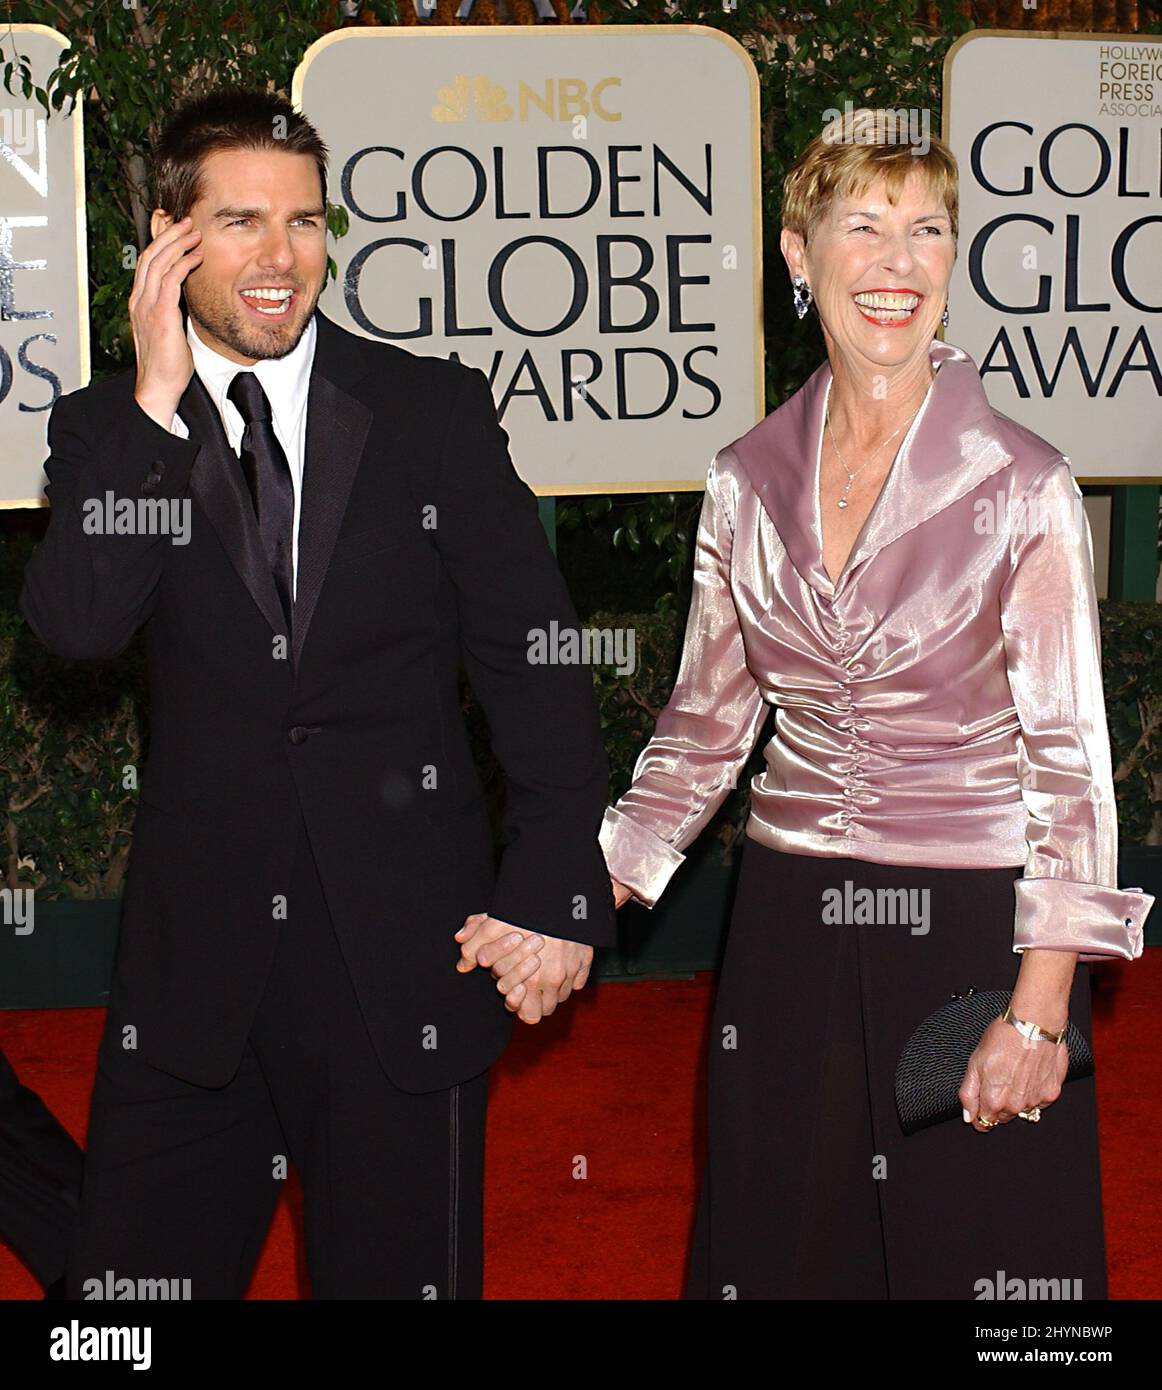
x=228, y=118
x=853, y=151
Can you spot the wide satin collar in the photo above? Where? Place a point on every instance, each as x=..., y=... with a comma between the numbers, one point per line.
x=952, y=446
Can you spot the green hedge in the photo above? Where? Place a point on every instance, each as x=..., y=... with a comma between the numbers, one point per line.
x=71, y=738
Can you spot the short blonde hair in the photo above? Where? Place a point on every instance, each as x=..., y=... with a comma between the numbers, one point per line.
x=852, y=152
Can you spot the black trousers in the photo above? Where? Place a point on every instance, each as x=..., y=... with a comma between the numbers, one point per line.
x=811, y=1189
x=40, y=1178
x=181, y=1180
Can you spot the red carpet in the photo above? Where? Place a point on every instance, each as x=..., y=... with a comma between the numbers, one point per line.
x=591, y=1139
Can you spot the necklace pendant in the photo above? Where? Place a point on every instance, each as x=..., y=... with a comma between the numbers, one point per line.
x=842, y=502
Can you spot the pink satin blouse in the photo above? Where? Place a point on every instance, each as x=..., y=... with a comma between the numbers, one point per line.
x=940, y=705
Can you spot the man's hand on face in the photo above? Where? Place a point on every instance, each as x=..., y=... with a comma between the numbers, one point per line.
x=535, y=973
x=164, y=361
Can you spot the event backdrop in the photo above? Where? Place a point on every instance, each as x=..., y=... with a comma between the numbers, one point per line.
x=44, y=304
x=576, y=212
x=1057, y=290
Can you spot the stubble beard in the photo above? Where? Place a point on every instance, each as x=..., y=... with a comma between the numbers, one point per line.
x=228, y=325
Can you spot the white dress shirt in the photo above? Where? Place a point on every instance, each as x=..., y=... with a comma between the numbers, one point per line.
x=285, y=381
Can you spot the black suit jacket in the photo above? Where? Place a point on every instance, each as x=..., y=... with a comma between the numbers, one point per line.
x=419, y=547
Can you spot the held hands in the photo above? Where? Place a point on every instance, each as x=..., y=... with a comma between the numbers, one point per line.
x=534, y=973
x=1007, y=1074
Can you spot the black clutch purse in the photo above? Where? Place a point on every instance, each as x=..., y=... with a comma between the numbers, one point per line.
x=932, y=1064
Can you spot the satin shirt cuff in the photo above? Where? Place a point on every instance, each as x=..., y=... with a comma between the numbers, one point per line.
x=1098, y=922
x=636, y=856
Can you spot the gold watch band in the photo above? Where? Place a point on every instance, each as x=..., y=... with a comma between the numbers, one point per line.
x=1033, y=1031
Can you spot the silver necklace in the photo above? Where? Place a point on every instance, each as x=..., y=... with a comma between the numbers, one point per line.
x=851, y=477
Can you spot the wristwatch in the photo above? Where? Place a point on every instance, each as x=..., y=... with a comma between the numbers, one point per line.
x=1034, y=1032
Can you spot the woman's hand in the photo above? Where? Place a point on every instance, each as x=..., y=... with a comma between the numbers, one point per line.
x=1007, y=1074
x=621, y=894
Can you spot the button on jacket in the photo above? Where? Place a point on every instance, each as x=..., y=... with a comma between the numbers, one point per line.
x=940, y=705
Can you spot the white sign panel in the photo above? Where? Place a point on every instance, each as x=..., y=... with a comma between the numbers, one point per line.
x=1057, y=290
x=574, y=211
x=44, y=310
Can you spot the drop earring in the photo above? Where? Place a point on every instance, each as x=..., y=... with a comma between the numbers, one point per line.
x=802, y=294
x=944, y=316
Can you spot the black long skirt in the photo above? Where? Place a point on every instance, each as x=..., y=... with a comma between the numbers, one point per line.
x=811, y=1189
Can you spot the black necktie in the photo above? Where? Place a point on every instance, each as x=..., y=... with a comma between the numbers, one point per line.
x=268, y=476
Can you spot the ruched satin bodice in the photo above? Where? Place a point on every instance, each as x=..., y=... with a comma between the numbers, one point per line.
x=941, y=704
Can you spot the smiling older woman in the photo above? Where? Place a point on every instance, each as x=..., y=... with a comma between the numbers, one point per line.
x=864, y=564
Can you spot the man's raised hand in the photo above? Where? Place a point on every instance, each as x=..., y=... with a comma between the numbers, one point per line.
x=164, y=361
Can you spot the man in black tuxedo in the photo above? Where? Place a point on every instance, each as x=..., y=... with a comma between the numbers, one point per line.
x=344, y=526
x=40, y=1181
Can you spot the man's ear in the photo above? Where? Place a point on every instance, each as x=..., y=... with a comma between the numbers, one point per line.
x=159, y=220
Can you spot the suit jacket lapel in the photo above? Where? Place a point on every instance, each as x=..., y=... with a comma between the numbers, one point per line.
x=337, y=429
x=952, y=447
x=217, y=481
